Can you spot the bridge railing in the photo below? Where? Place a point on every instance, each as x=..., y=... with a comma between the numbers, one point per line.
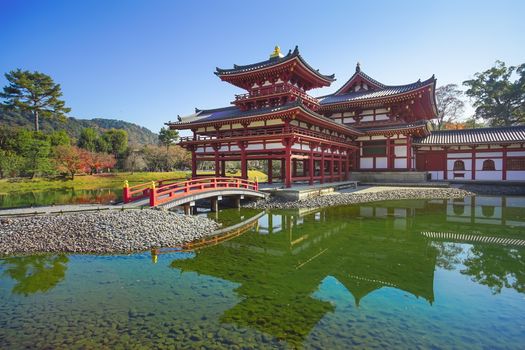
x=142, y=191
x=163, y=191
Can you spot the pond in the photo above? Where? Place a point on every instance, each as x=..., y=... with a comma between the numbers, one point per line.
x=398, y=274
x=59, y=196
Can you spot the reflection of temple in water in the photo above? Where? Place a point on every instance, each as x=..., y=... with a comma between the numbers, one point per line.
x=280, y=268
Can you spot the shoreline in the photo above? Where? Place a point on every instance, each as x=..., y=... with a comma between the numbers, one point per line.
x=134, y=231
x=107, y=232
x=340, y=199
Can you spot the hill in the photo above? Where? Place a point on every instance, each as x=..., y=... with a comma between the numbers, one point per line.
x=136, y=133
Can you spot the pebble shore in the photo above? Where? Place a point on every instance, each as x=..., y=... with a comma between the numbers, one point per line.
x=101, y=232
x=332, y=200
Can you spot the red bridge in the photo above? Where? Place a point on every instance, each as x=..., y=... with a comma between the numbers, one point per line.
x=173, y=192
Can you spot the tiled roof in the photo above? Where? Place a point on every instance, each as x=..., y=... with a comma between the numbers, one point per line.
x=366, y=95
x=474, y=136
x=272, y=62
x=415, y=124
x=234, y=112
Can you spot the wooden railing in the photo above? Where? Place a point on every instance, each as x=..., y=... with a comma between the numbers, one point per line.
x=160, y=192
x=266, y=132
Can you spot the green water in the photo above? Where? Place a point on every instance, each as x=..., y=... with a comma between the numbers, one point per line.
x=58, y=197
x=369, y=276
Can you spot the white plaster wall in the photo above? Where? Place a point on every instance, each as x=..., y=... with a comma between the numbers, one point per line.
x=378, y=137
x=274, y=145
x=516, y=154
x=468, y=175
x=515, y=201
x=366, y=163
x=437, y=175
x=367, y=118
x=234, y=148
x=255, y=147
x=400, y=163
x=488, y=175
x=516, y=175
x=381, y=117
x=223, y=149
x=489, y=154
x=381, y=162
x=459, y=155
x=400, y=151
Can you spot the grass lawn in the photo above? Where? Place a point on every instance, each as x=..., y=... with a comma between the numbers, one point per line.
x=89, y=182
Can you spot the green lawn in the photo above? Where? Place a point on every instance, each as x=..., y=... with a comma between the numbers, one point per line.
x=88, y=182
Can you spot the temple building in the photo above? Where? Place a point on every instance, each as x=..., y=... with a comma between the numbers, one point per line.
x=364, y=127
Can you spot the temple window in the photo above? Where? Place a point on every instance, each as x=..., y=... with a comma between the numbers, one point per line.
x=374, y=149
x=488, y=165
x=516, y=163
x=459, y=165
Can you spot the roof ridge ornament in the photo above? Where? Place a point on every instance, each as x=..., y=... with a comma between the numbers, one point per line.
x=358, y=67
x=276, y=53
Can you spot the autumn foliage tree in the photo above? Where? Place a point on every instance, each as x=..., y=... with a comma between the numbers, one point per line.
x=72, y=160
x=67, y=160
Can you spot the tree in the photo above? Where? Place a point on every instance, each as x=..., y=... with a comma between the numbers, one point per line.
x=117, y=141
x=36, y=93
x=11, y=164
x=36, y=153
x=60, y=137
x=67, y=160
x=449, y=105
x=168, y=137
x=88, y=139
x=497, y=99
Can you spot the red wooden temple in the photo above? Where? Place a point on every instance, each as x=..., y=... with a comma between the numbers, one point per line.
x=364, y=126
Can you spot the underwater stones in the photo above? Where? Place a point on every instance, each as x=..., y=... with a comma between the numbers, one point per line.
x=101, y=232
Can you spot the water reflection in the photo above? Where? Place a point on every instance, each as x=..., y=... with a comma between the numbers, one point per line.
x=59, y=196
x=285, y=259
x=39, y=273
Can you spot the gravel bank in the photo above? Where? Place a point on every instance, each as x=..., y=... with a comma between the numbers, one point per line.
x=356, y=197
x=101, y=232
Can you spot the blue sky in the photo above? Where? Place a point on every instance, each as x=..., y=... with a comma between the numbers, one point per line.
x=147, y=61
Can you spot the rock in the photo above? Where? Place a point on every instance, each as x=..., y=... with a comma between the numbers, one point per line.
x=101, y=232
x=355, y=198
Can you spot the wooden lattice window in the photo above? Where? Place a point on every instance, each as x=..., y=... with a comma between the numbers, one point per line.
x=459, y=165
x=374, y=149
x=516, y=163
x=488, y=164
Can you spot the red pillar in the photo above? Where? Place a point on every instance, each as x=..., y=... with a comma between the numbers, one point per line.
x=389, y=163
x=331, y=167
x=504, y=164
x=288, y=167
x=445, y=173
x=193, y=164
x=321, y=170
x=473, y=163
x=409, y=152
x=217, y=164
x=270, y=171
x=311, y=167
x=223, y=168
x=244, y=161
x=340, y=167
